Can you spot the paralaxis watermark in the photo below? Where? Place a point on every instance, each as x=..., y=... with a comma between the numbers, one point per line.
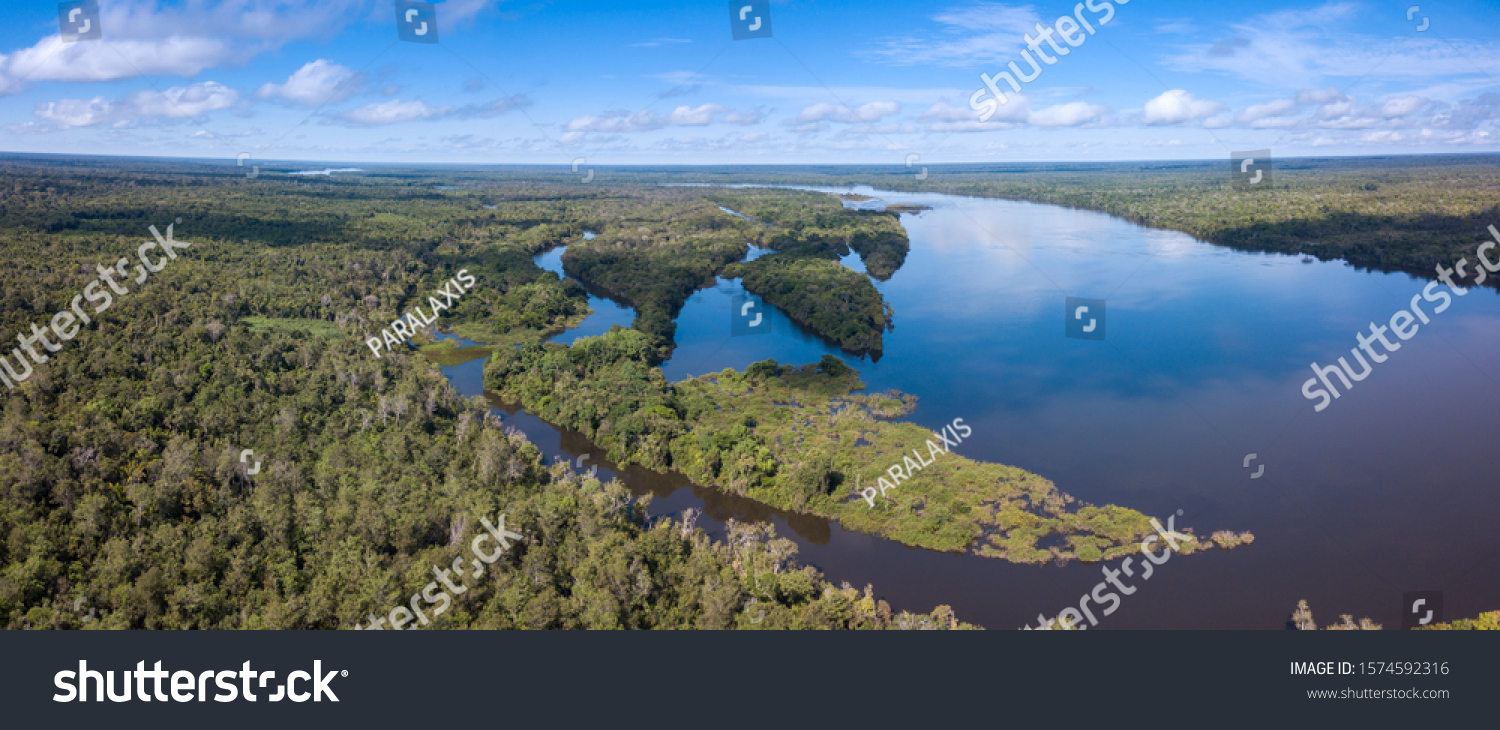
x=904, y=470
x=416, y=319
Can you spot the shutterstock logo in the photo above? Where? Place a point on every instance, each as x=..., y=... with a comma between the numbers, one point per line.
x=186, y=686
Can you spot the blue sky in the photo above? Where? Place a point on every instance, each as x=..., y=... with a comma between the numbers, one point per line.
x=857, y=82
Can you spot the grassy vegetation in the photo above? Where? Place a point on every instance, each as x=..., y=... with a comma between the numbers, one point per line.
x=798, y=439
x=294, y=325
x=448, y=352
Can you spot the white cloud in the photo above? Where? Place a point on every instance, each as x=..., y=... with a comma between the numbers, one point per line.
x=53, y=60
x=701, y=116
x=176, y=102
x=1178, y=106
x=618, y=122
x=392, y=112
x=1319, y=96
x=1396, y=111
x=152, y=39
x=69, y=113
x=1341, y=108
x=1402, y=106
x=745, y=118
x=1306, y=47
x=871, y=112
x=1275, y=114
x=944, y=117
x=315, y=84
x=1382, y=136
x=1274, y=108
x=1274, y=123
x=1071, y=114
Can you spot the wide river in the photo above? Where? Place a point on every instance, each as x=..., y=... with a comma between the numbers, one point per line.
x=1390, y=489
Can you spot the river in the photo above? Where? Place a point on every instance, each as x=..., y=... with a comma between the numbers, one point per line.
x=1390, y=489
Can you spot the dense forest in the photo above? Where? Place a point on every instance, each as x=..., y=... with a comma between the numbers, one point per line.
x=812, y=223
x=124, y=499
x=821, y=294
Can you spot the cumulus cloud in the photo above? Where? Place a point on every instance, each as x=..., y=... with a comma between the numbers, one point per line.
x=397, y=111
x=874, y=111
x=392, y=112
x=745, y=118
x=1402, y=106
x=1274, y=114
x=944, y=117
x=1178, y=106
x=622, y=122
x=700, y=116
x=155, y=39
x=53, y=60
x=1349, y=113
x=1274, y=108
x=176, y=102
x=1071, y=114
x=315, y=84
x=1335, y=110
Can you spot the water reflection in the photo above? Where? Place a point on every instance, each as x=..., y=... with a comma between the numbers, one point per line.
x=1391, y=487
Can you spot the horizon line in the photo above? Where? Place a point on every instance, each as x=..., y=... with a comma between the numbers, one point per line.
x=566, y=166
